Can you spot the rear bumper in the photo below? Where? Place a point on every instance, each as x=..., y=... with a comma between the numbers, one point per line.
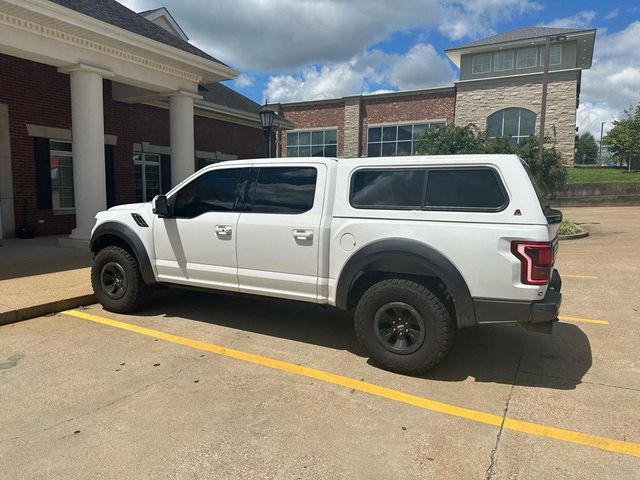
x=528, y=314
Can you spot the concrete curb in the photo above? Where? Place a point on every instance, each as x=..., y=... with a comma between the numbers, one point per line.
x=33, y=311
x=575, y=236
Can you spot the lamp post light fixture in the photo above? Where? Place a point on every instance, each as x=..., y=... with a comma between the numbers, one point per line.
x=266, y=119
x=545, y=81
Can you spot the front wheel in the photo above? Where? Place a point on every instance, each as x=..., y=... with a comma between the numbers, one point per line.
x=116, y=280
x=404, y=327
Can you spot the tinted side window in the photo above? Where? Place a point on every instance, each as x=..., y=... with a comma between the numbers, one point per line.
x=388, y=188
x=214, y=191
x=288, y=190
x=464, y=188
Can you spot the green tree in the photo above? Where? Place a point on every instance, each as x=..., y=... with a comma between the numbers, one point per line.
x=587, y=150
x=450, y=140
x=623, y=140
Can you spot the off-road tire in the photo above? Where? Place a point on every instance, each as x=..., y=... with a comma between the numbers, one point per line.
x=438, y=326
x=135, y=289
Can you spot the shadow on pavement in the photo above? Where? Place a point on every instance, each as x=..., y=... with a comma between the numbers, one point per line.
x=495, y=354
x=38, y=256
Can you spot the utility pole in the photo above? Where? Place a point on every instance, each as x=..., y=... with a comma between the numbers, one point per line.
x=600, y=148
x=545, y=81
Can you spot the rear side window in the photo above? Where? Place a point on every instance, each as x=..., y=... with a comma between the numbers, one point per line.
x=213, y=191
x=464, y=188
x=388, y=188
x=470, y=189
x=285, y=190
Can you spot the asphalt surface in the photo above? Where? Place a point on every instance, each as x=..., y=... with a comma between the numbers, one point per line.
x=83, y=399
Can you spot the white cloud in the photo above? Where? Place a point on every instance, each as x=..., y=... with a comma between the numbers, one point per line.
x=420, y=67
x=244, y=80
x=472, y=18
x=290, y=34
x=613, y=83
x=612, y=14
x=579, y=20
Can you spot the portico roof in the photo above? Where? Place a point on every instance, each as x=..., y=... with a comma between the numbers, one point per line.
x=106, y=35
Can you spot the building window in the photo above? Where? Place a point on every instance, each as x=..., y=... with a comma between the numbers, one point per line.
x=555, y=55
x=516, y=124
x=482, y=63
x=527, y=58
x=503, y=61
x=391, y=140
x=61, y=159
x=146, y=176
x=312, y=143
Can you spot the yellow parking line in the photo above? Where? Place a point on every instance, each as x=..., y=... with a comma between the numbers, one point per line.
x=584, y=277
x=603, y=443
x=582, y=320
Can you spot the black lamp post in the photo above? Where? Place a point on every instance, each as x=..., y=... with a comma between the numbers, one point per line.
x=266, y=119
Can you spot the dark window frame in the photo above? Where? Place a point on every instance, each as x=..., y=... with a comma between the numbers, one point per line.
x=252, y=184
x=424, y=206
x=240, y=191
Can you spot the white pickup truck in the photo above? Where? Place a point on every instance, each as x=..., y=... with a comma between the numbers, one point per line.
x=417, y=247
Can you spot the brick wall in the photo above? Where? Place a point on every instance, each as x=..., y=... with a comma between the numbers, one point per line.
x=353, y=115
x=477, y=100
x=38, y=94
x=314, y=115
x=406, y=108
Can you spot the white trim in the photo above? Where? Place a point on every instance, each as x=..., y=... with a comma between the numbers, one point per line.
x=542, y=49
x=78, y=20
x=473, y=63
x=147, y=147
x=163, y=12
x=83, y=67
x=516, y=75
x=64, y=134
x=314, y=129
x=535, y=65
x=410, y=122
x=501, y=52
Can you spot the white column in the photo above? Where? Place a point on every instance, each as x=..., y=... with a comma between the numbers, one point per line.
x=87, y=120
x=183, y=149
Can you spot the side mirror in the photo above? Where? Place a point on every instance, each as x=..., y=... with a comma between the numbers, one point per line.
x=161, y=206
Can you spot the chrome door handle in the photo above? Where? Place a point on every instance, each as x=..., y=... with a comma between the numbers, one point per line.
x=299, y=234
x=223, y=230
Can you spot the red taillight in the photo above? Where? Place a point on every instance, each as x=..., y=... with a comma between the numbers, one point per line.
x=536, y=260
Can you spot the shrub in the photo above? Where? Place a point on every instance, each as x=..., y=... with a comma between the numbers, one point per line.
x=451, y=140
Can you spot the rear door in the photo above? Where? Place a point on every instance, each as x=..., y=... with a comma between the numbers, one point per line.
x=278, y=231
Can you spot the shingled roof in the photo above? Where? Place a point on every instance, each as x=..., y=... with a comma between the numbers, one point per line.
x=112, y=12
x=220, y=94
x=519, y=34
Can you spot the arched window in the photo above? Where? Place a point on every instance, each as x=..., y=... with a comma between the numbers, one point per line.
x=514, y=123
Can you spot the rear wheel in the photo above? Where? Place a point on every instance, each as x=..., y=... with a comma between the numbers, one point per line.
x=404, y=327
x=116, y=280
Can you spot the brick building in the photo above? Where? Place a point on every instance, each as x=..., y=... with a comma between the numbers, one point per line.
x=100, y=105
x=499, y=91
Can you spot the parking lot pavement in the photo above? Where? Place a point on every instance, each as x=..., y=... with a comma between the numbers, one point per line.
x=82, y=399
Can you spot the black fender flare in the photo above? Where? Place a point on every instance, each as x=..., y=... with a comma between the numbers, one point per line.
x=403, y=256
x=128, y=236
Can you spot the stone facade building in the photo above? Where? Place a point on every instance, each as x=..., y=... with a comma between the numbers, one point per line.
x=499, y=91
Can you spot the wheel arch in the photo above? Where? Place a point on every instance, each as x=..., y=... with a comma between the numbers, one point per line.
x=407, y=257
x=115, y=233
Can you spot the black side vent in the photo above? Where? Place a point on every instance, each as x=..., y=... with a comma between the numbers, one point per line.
x=139, y=220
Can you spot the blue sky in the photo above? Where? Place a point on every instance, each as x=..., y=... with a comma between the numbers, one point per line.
x=302, y=50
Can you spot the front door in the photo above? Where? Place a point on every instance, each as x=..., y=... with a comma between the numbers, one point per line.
x=278, y=231
x=198, y=246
